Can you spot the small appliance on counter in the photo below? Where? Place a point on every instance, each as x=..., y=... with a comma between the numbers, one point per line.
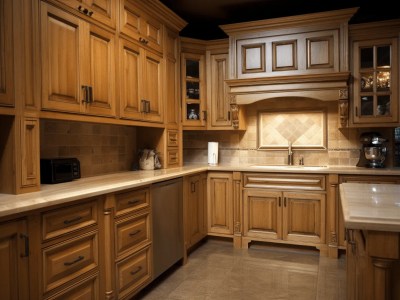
x=148, y=159
x=56, y=170
x=373, y=151
x=212, y=153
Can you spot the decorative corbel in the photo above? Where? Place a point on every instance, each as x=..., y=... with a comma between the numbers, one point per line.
x=234, y=111
x=343, y=107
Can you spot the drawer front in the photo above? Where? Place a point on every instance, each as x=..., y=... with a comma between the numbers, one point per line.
x=172, y=138
x=68, y=260
x=173, y=157
x=88, y=289
x=133, y=272
x=132, y=233
x=130, y=201
x=284, y=181
x=64, y=220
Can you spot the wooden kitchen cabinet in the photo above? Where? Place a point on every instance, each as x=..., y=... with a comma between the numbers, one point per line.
x=7, y=57
x=78, y=64
x=193, y=82
x=195, y=207
x=220, y=204
x=284, y=208
x=140, y=84
x=103, y=11
x=14, y=260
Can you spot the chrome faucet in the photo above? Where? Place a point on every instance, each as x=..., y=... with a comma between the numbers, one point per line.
x=290, y=154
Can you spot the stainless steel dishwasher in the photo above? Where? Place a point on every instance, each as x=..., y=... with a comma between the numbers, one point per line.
x=167, y=199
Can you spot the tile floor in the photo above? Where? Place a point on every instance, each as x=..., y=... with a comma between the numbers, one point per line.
x=217, y=271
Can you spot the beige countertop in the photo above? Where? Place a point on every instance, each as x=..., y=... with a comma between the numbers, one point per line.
x=371, y=206
x=93, y=186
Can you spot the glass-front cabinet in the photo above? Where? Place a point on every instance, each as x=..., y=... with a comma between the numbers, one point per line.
x=375, y=71
x=193, y=90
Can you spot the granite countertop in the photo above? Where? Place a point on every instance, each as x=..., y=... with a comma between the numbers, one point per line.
x=371, y=206
x=93, y=186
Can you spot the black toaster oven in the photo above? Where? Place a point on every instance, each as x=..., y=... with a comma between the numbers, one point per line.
x=56, y=170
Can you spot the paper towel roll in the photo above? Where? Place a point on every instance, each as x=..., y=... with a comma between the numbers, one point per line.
x=212, y=153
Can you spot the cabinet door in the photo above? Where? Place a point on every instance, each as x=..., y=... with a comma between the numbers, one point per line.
x=100, y=72
x=196, y=209
x=14, y=280
x=130, y=80
x=220, y=203
x=172, y=79
x=62, y=37
x=304, y=217
x=103, y=11
x=6, y=54
x=262, y=214
x=375, y=81
x=220, y=107
x=152, y=91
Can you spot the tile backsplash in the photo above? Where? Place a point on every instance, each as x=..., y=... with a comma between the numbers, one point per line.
x=240, y=147
x=100, y=148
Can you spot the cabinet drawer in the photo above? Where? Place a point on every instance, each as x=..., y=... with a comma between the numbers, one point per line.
x=172, y=138
x=86, y=289
x=130, y=201
x=64, y=220
x=173, y=157
x=66, y=261
x=284, y=181
x=131, y=233
x=133, y=272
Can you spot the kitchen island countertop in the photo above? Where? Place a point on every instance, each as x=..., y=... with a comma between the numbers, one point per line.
x=371, y=206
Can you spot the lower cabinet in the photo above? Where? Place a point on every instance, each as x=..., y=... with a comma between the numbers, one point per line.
x=286, y=208
x=14, y=260
x=220, y=203
x=195, y=208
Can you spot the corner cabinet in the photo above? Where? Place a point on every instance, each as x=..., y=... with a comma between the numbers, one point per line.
x=375, y=71
x=194, y=112
x=78, y=64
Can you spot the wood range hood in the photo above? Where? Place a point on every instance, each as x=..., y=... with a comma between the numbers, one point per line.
x=324, y=87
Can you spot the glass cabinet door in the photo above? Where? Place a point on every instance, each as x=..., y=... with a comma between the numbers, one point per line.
x=375, y=69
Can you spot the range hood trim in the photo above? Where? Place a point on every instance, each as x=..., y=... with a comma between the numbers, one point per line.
x=324, y=87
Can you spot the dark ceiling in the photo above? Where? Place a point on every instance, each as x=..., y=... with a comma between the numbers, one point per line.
x=204, y=16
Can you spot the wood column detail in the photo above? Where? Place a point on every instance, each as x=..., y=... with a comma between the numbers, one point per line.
x=332, y=215
x=237, y=210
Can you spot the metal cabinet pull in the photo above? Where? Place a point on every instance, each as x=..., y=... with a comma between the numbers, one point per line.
x=284, y=201
x=138, y=269
x=69, y=221
x=26, y=245
x=133, y=202
x=69, y=263
x=280, y=201
x=85, y=89
x=192, y=187
x=134, y=233
x=90, y=100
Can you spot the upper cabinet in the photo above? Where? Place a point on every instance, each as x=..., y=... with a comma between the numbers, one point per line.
x=135, y=23
x=375, y=70
x=6, y=54
x=103, y=11
x=78, y=64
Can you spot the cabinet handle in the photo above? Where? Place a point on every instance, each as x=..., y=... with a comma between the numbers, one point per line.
x=193, y=187
x=85, y=11
x=133, y=202
x=280, y=201
x=147, y=106
x=143, y=105
x=350, y=240
x=85, y=89
x=143, y=41
x=356, y=111
x=138, y=269
x=26, y=244
x=69, y=263
x=90, y=100
x=76, y=219
x=284, y=201
x=134, y=233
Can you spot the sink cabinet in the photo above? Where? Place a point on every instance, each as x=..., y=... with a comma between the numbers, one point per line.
x=284, y=208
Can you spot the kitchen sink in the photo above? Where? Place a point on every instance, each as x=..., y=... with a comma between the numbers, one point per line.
x=287, y=167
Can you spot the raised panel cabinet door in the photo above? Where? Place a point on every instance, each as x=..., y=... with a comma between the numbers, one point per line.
x=196, y=209
x=62, y=37
x=6, y=54
x=130, y=79
x=30, y=155
x=304, y=217
x=153, y=87
x=172, y=79
x=87, y=289
x=14, y=256
x=220, y=107
x=101, y=68
x=220, y=203
x=262, y=214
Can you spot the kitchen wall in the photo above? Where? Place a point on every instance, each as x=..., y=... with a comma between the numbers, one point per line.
x=100, y=148
x=240, y=147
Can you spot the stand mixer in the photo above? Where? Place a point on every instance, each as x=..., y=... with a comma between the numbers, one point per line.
x=373, y=151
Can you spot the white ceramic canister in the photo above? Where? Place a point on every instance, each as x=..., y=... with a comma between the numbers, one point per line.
x=212, y=153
